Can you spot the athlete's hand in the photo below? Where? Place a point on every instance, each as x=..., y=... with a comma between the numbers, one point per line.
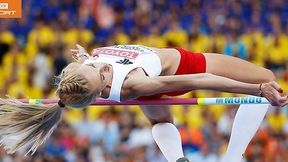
x=274, y=94
x=79, y=54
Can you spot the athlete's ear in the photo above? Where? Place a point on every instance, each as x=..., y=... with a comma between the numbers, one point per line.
x=104, y=68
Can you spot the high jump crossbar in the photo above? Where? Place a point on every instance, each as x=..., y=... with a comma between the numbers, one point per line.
x=167, y=101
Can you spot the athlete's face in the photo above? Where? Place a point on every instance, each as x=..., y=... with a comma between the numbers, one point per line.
x=99, y=75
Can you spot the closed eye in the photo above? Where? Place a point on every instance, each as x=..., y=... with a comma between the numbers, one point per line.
x=102, y=77
x=92, y=65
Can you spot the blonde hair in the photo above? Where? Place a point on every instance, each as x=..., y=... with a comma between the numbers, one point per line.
x=22, y=124
x=74, y=90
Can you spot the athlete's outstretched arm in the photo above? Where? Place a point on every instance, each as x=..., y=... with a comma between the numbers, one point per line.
x=208, y=81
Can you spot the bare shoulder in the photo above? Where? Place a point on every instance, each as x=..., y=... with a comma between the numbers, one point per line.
x=170, y=58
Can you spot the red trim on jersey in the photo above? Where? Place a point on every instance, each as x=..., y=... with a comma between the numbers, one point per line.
x=190, y=63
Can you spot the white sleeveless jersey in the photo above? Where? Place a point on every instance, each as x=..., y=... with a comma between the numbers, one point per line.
x=123, y=59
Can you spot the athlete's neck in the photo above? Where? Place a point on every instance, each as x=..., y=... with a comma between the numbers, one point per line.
x=106, y=91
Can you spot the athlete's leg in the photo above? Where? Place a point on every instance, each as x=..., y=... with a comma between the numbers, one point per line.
x=247, y=121
x=237, y=69
x=164, y=132
x=248, y=117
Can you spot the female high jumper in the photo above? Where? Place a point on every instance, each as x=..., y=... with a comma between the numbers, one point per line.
x=125, y=72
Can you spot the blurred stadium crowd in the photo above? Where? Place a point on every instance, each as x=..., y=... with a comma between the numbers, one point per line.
x=35, y=48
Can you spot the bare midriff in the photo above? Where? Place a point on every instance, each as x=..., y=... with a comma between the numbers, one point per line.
x=170, y=59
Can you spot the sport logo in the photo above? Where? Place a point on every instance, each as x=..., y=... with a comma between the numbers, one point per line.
x=116, y=52
x=239, y=100
x=10, y=9
x=124, y=62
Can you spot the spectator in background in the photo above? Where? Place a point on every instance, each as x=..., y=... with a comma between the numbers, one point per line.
x=54, y=149
x=277, y=53
x=59, y=61
x=104, y=131
x=176, y=36
x=235, y=47
x=225, y=122
x=42, y=67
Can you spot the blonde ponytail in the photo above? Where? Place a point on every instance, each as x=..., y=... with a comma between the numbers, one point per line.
x=30, y=125
x=24, y=124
